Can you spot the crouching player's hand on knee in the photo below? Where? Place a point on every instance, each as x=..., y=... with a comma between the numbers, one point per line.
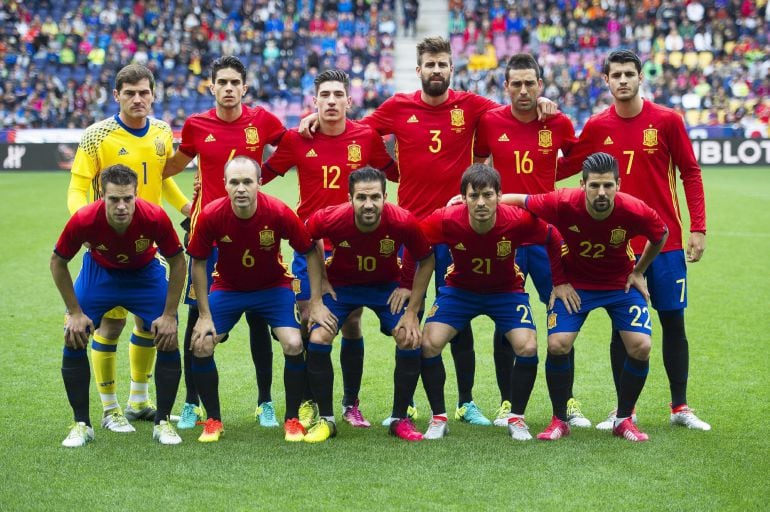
x=165, y=330
x=204, y=337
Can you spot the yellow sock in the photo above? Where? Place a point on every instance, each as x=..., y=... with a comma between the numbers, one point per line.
x=141, y=354
x=103, y=359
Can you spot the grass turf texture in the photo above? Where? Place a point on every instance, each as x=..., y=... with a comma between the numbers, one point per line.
x=473, y=468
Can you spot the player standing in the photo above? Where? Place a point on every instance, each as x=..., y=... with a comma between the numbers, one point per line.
x=120, y=269
x=482, y=236
x=324, y=164
x=650, y=142
x=140, y=142
x=248, y=227
x=524, y=151
x=434, y=129
x=365, y=235
x=598, y=223
x=216, y=137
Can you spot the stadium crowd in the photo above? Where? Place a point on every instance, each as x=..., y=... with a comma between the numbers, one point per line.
x=706, y=58
x=58, y=59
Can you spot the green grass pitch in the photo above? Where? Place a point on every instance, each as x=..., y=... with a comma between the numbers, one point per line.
x=473, y=468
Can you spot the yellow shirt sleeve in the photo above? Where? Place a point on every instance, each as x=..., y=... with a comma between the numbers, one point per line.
x=173, y=194
x=77, y=192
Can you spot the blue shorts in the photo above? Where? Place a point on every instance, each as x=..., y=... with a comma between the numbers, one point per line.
x=667, y=281
x=443, y=262
x=350, y=298
x=299, y=269
x=628, y=311
x=276, y=305
x=533, y=261
x=142, y=292
x=458, y=307
x=189, y=293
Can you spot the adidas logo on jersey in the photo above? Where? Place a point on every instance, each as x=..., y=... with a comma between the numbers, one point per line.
x=574, y=228
x=608, y=141
x=503, y=138
x=412, y=119
x=101, y=247
x=460, y=247
x=344, y=243
x=311, y=153
x=209, y=138
x=225, y=239
x=122, y=152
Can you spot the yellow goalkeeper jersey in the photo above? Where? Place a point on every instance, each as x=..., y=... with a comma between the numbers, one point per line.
x=111, y=142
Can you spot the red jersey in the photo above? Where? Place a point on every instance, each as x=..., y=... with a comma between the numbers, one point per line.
x=524, y=154
x=600, y=255
x=325, y=162
x=367, y=258
x=649, y=148
x=249, y=249
x=132, y=250
x=485, y=263
x=216, y=142
x=434, y=145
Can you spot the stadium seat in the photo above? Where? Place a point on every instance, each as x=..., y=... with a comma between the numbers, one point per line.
x=690, y=60
x=705, y=59
x=675, y=59
x=692, y=117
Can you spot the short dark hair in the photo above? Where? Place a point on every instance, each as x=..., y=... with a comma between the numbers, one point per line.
x=600, y=163
x=118, y=174
x=332, y=75
x=366, y=173
x=132, y=74
x=244, y=159
x=228, y=62
x=522, y=61
x=434, y=44
x=479, y=176
x=621, y=57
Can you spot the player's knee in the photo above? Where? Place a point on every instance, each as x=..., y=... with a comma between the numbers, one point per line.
x=111, y=328
x=291, y=343
x=430, y=346
x=527, y=349
x=639, y=347
x=351, y=329
x=199, y=351
x=320, y=336
x=400, y=338
x=559, y=345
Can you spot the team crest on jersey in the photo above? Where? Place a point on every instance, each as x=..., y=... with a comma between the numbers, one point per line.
x=252, y=137
x=457, y=117
x=617, y=236
x=354, y=153
x=387, y=246
x=551, y=320
x=142, y=244
x=650, y=137
x=267, y=238
x=432, y=311
x=545, y=138
x=503, y=248
x=160, y=148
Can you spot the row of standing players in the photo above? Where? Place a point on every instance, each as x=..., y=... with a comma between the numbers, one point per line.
x=434, y=129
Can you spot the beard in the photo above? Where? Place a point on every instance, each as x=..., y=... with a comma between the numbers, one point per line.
x=601, y=205
x=434, y=89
